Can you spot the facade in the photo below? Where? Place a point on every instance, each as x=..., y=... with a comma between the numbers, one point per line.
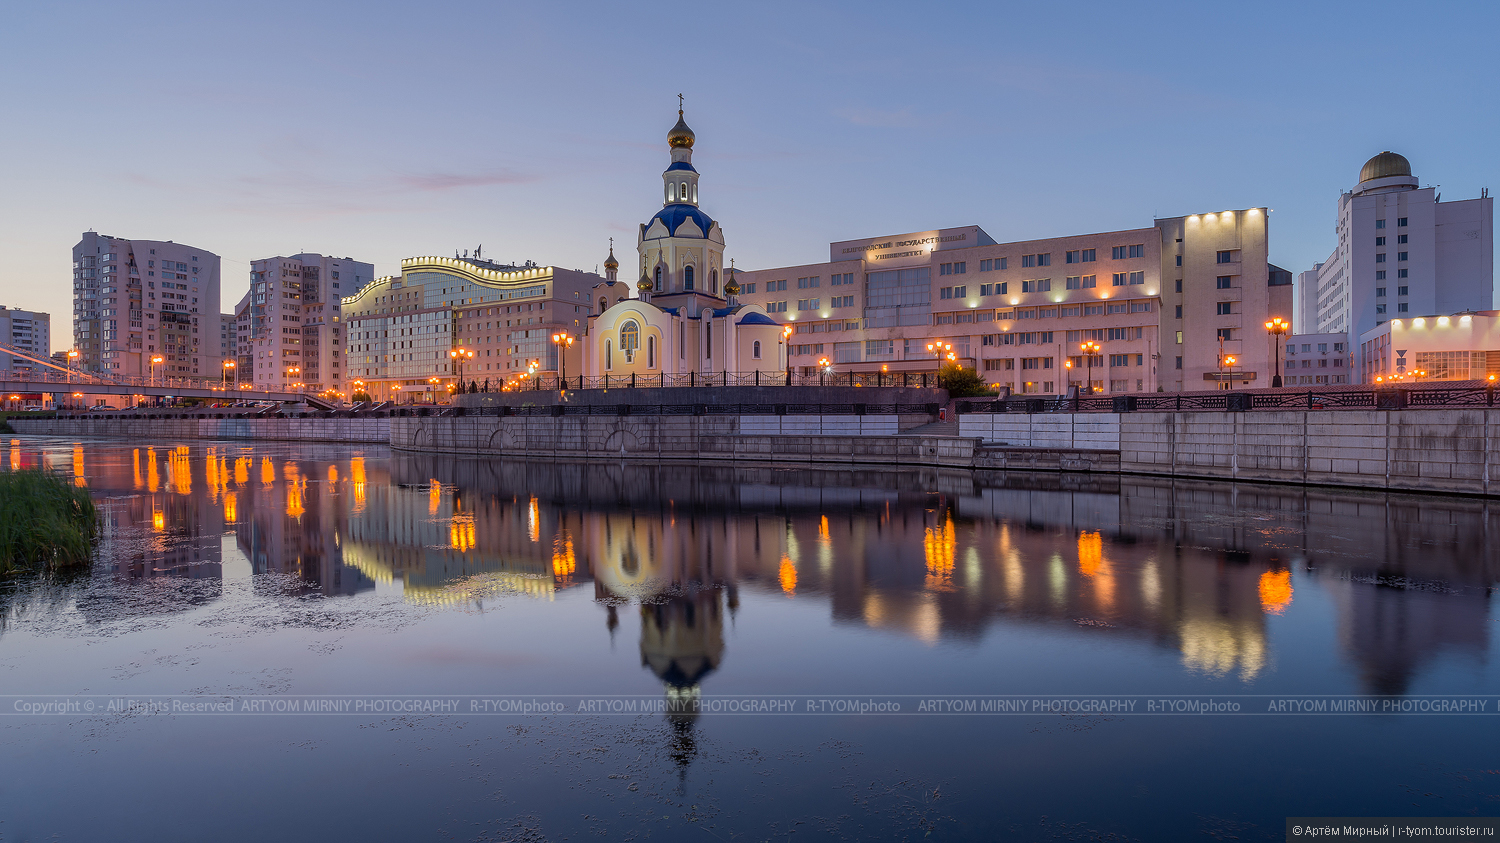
x=688, y=318
x=1458, y=347
x=28, y=331
x=1163, y=303
x=402, y=328
x=291, y=314
x=136, y=299
x=1317, y=359
x=1401, y=251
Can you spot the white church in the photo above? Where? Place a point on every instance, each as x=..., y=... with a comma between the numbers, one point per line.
x=686, y=318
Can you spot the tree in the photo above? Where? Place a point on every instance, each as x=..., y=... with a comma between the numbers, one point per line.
x=360, y=396
x=961, y=382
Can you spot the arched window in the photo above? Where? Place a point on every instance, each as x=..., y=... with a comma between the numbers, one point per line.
x=609, y=360
x=757, y=350
x=713, y=281
x=603, y=305
x=684, y=191
x=651, y=352
x=658, y=280
x=695, y=193
x=687, y=278
x=671, y=191
x=630, y=339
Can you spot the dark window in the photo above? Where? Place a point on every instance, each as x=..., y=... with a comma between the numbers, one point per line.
x=1225, y=281
x=1226, y=257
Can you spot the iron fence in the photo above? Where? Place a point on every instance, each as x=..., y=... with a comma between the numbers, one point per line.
x=1369, y=399
x=551, y=382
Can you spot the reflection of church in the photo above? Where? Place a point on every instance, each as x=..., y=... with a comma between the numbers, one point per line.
x=687, y=318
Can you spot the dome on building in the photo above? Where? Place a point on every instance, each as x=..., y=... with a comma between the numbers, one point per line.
x=644, y=285
x=680, y=135
x=610, y=262
x=675, y=214
x=1385, y=165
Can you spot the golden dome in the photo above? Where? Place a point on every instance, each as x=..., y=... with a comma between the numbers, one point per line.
x=731, y=284
x=680, y=135
x=610, y=262
x=1385, y=165
x=644, y=285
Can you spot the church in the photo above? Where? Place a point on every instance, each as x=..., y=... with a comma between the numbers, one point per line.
x=686, y=317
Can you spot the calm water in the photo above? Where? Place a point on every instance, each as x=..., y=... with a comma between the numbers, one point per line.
x=252, y=573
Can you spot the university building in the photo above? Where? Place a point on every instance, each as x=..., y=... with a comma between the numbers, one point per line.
x=1168, y=306
x=138, y=299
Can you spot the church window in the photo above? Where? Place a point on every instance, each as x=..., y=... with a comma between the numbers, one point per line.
x=695, y=193
x=603, y=305
x=658, y=280
x=684, y=192
x=630, y=339
x=687, y=278
x=756, y=352
x=713, y=280
x=651, y=352
x=671, y=191
x=608, y=356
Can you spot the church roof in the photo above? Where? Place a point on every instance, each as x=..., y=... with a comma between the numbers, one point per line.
x=681, y=165
x=673, y=216
x=756, y=318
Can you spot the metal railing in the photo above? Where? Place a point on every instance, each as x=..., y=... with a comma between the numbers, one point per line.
x=1341, y=399
x=929, y=409
x=551, y=382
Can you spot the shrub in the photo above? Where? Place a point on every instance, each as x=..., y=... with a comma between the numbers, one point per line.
x=45, y=521
x=961, y=382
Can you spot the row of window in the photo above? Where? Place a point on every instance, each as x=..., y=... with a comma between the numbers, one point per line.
x=1401, y=307
x=1400, y=291
x=1400, y=223
x=1338, y=363
x=1400, y=238
x=1400, y=273
x=1291, y=347
x=1380, y=256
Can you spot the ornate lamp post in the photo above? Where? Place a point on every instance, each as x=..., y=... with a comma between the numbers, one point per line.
x=292, y=372
x=459, y=355
x=1090, y=350
x=1068, y=364
x=224, y=379
x=564, y=342
x=1277, y=327
x=156, y=360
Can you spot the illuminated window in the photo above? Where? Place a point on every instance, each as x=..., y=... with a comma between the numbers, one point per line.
x=630, y=339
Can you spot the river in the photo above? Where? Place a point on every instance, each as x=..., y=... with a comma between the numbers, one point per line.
x=314, y=642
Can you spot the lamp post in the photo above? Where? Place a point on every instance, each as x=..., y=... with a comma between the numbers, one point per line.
x=824, y=367
x=224, y=379
x=564, y=342
x=459, y=355
x=72, y=362
x=1068, y=364
x=1090, y=350
x=156, y=360
x=1227, y=362
x=292, y=372
x=1277, y=327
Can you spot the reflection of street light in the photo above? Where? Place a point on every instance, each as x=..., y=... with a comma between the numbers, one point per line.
x=1091, y=349
x=1277, y=327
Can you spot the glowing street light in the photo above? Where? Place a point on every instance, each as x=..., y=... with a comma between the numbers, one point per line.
x=156, y=360
x=459, y=355
x=564, y=342
x=224, y=379
x=1278, y=327
x=1091, y=350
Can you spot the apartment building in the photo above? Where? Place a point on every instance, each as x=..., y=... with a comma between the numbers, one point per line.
x=1401, y=252
x=1317, y=359
x=291, y=332
x=27, y=331
x=1165, y=305
x=402, y=328
x=138, y=299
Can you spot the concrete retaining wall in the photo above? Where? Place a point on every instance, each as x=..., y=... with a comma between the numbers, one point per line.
x=676, y=437
x=373, y=431
x=1100, y=431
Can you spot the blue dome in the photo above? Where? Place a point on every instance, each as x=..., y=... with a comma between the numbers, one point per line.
x=680, y=165
x=755, y=318
x=672, y=216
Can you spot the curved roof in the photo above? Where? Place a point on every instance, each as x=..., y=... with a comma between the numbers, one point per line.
x=673, y=216
x=1385, y=165
x=680, y=165
x=757, y=318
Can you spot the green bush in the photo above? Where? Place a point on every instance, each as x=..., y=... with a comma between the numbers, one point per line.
x=45, y=521
x=961, y=382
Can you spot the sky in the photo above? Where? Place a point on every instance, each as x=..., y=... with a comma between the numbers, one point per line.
x=380, y=130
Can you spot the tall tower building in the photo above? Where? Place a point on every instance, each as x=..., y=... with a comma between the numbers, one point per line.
x=292, y=312
x=24, y=330
x=681, y=248
x=1401, y=251
x=138, y=299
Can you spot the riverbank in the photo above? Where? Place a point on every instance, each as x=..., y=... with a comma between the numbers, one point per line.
x=45, y=521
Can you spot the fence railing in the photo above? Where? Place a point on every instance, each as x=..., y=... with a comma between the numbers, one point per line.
x=701, y=410
x=551, y=382
x=1368, y=399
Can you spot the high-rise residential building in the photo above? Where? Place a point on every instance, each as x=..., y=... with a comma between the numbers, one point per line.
x=402, y=328
x=136, y=299
x=292, y=315
x=1401, y=251
x=1167, y=305
x=27, y=331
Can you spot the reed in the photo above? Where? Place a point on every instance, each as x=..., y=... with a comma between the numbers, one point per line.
x=45, y=522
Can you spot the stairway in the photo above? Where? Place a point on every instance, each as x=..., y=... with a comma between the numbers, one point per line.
x=942, y=428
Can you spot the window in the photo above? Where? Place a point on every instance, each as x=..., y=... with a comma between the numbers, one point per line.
x=808, y=283
x=1090, y=281
x=1071, y=257
x=1379, y=292
x=839, y=279
x=993, y=289
x=960, y=267
x=1179, y=285
x=775, y=286
x=1087, y=256
x=1179, y=311
x=687, y=277
x=1041, y=285
x=1036, y=260
x=1179, y=260
x=651, y=352
x=1226, y=256
x=1402, y=307
x=1401, y=273
x=1123, y=252
x=776, y=307
x=1110, y=309
x=1073, y=282
x=986, y=265
x=1380, y=241
x=1400, y=239
x=1380, y=223
x=1379, y=275
x=1380, y=257
x=1179, y=342
x=807, y=304
x=1121, y=278
x=1138, y=250
x=1401, y=256
x=841, y=301
x=1179, y=360
x=1138, y=277
x=1401, y=222
x=1225, y=282
x=1226, y=334
x=755, y=352
x=1322, y=348
x=749, y=289
x=1402, y=290
x=1140, y=307
x=945, y=293
x=1379, y=308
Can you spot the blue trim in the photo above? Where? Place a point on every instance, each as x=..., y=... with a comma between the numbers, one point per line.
x=754, y=318
x=681, y=165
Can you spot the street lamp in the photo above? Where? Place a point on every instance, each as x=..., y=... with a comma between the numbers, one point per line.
x=72, y=362
x=224, y=380
x=292, y=372
x=156, y=360
x=1227, y=361
x=459, y=355
x=824, y=367
x=1090, y=350
x=564, y=342
x=1068, y=364
x=1277, y=327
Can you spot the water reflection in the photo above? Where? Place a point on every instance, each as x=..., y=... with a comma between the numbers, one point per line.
x=1200, y=570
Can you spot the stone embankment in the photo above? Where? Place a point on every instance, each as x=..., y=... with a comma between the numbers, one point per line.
x=156, y=426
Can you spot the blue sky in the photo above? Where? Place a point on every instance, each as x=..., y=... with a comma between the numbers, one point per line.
x=383, y=130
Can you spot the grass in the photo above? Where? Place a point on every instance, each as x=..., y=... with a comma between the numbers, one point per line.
x=45, y=522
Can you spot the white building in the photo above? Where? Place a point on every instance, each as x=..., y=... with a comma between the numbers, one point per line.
x=1462, y=346
x=1317, y=359
x=25, y=330
x=292, y=320
x=1401, y=251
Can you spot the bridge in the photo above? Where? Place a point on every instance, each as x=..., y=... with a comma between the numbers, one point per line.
x=48, y=376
